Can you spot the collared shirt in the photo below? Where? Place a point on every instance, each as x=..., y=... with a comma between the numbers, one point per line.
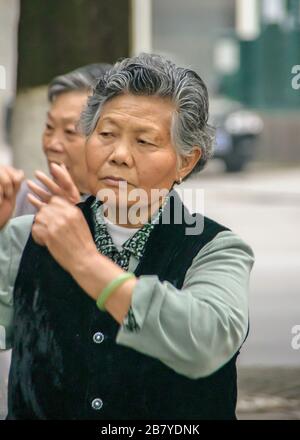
x=213, y=312
x=135, y=246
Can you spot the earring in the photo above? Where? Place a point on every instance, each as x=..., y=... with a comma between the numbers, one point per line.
x=179, y=181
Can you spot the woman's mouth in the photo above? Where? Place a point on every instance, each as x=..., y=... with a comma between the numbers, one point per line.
x=114, y=181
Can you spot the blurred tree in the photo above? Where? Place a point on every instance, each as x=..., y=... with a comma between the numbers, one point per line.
x=56, y=36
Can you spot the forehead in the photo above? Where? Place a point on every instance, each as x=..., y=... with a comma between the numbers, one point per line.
x=68, y=106
x=142, y=112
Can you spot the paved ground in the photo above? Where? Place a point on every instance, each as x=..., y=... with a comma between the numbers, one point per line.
x=269, y=393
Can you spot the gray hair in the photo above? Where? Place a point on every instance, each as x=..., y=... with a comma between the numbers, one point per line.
x=148, y=75
x=81, y=79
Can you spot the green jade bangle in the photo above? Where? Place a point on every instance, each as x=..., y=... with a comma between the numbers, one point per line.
x=111, y=287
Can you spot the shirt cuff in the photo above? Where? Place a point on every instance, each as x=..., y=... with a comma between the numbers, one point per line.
x=129, y=322
x=141, y=298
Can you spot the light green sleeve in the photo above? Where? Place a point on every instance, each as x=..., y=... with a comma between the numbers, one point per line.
x=13, y=238
x=197, y=329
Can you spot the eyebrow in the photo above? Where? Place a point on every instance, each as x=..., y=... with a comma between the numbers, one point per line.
x=109, y=120
x=64, y=118
x=151, y=129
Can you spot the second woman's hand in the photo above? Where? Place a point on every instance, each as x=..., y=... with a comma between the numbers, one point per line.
x=10, y=182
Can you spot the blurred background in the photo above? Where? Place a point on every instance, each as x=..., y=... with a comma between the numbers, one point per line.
x=248, y=53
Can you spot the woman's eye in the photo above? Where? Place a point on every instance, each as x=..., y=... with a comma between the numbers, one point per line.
x=49, y=127
x=71, y=132
x=106, y=134
x=144, y=142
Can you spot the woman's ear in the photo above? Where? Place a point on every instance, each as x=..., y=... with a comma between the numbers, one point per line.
x=187, y=163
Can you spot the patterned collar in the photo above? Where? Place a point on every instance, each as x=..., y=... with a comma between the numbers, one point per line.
x=135, y=245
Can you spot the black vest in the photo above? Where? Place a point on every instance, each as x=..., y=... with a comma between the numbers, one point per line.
x=60, y=369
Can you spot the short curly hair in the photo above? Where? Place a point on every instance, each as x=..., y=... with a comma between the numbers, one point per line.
x=149, y=74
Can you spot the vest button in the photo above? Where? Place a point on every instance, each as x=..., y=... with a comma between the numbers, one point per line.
x=97, y=404
x=98, y=337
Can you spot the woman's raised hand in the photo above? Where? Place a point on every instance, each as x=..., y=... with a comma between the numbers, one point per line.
x=61, y=185
x=61, y=227
x=10, y=181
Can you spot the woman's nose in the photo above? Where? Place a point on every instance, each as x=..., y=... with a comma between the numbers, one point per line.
x=121, y=153
x=54, y=144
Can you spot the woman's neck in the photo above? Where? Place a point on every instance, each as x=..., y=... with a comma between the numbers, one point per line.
x=129, y=218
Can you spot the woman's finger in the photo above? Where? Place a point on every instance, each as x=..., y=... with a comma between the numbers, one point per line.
x=49, y=183
x=6, y=183
x=10, y=181
x=16, y=176
x=40, y=192
x=61, y=175
x=64, y=180
x=35, y=201
x=18, y=180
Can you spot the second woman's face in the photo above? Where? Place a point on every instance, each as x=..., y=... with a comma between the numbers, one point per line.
x=132, y=142
x=62, y=143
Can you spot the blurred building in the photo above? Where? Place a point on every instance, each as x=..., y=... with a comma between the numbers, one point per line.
x=266, y=45
x=246, y=50
x=188, y=31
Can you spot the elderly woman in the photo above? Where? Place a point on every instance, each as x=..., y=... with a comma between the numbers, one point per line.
x=62, y=142
x=122, y=316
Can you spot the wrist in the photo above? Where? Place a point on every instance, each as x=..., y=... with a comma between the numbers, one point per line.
x=85, y=268
x=94, y=271
x=112, y=287
x=83, y=260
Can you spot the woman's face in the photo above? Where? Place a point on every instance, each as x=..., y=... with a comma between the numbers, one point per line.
x=132, y=141
x=62, y=143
